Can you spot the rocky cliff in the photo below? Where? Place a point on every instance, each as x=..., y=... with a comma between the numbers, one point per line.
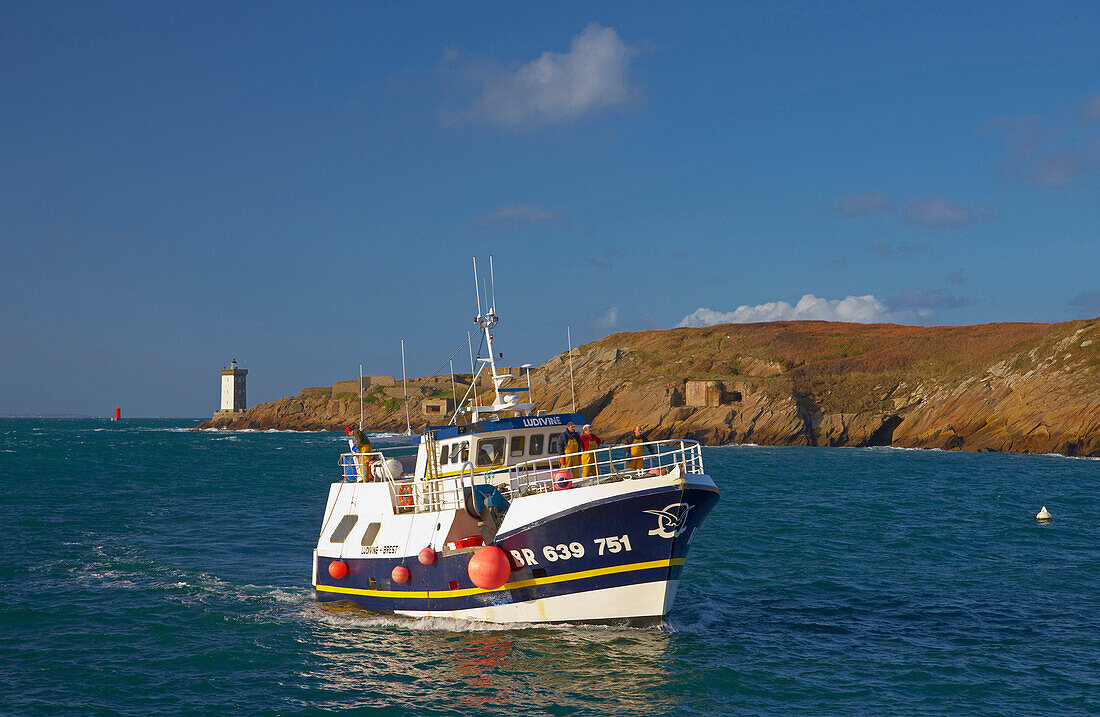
x=1028, y=388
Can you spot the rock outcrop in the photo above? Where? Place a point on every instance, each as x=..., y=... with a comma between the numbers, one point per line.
x=1027, y=388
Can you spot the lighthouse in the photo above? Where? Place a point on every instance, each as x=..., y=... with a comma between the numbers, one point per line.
x=233, y=400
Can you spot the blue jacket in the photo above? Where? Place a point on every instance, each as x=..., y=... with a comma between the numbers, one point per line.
x=563, y=439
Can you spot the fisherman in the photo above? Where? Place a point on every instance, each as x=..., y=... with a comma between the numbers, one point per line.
x=636, y=443
x=569, y=445
x=360, y=444
x=589, y=442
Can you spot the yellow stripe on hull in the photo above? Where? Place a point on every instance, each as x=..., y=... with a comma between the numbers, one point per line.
x=583, y=574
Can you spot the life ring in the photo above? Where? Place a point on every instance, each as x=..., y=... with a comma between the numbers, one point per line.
x=404, y=495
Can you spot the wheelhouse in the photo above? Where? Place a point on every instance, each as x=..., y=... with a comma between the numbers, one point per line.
x=493, y=444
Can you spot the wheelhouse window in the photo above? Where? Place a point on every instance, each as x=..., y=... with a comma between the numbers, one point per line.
x=444, y=454
x=343, y=528
x=554, y=445
x=490, y=452
x=517, y=446
x=536, y=444
x=460, y=452
x=370, y=533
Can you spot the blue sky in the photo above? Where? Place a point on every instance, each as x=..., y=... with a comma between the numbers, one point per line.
x=299, y=186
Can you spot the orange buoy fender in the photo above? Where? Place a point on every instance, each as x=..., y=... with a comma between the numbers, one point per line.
x=400, y=574
x=562, y=480
x=427, y=556
x=404, y=495
x=489, y=568
x=337, y=569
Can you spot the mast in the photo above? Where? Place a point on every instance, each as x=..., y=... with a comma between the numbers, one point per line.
x=501, y=401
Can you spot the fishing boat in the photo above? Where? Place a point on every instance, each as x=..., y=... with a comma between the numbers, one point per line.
x=483, y=520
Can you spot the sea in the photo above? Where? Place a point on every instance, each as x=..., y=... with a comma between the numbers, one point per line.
x=150, y=569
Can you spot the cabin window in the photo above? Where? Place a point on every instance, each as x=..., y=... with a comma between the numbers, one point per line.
x=343, y=528
x=460, y=452
x=370, y=533
x=553, y=445
x=517, y=446
x=536, y=444
x=444, y=454
x=490, y=452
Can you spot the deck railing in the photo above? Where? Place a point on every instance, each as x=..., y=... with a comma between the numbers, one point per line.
x=604, y=465
x=540, y=475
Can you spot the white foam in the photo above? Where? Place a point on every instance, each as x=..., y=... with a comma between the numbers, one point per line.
x=1072, y=458
x=361, y=619
x=740, y=445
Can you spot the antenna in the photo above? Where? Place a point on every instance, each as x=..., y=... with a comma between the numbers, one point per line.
x=477, y=290
x=360, y=397
x=493, y=283
x=405, y=389
x=473, y=376
x=572, y=391
x=454, y=389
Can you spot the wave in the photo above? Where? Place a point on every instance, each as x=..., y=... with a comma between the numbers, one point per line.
x=903, y=448
x=240, y=430
x=743, y=445
x=1072, y=458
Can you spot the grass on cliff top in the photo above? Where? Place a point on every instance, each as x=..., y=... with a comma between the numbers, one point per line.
x=838, y=366
x=837, y=347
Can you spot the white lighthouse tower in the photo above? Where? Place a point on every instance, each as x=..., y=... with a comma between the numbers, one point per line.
x=233, y=400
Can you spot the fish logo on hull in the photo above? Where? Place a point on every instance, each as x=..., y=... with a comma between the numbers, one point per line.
x=672, y=521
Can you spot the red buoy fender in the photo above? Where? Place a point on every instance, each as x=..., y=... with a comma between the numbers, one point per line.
x=426, y=556
x=400, y=574
x=337, y=569
x=489, y=568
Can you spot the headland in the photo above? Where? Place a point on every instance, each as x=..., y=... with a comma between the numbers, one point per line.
x=1011, y=387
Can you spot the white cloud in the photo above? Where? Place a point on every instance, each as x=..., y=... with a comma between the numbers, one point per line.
x=608, y=320
x=1086, y=304
x=931, y=213
x=1058, y=169
x=909, y=307
x=521, y=215
x=861, y=309
x=556, y=87
x=940, y=213
x=1053, y=152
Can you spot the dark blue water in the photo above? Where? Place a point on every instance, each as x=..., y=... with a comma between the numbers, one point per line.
x=146, y=569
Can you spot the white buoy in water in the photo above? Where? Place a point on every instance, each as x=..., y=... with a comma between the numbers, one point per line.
x=1043, y=514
